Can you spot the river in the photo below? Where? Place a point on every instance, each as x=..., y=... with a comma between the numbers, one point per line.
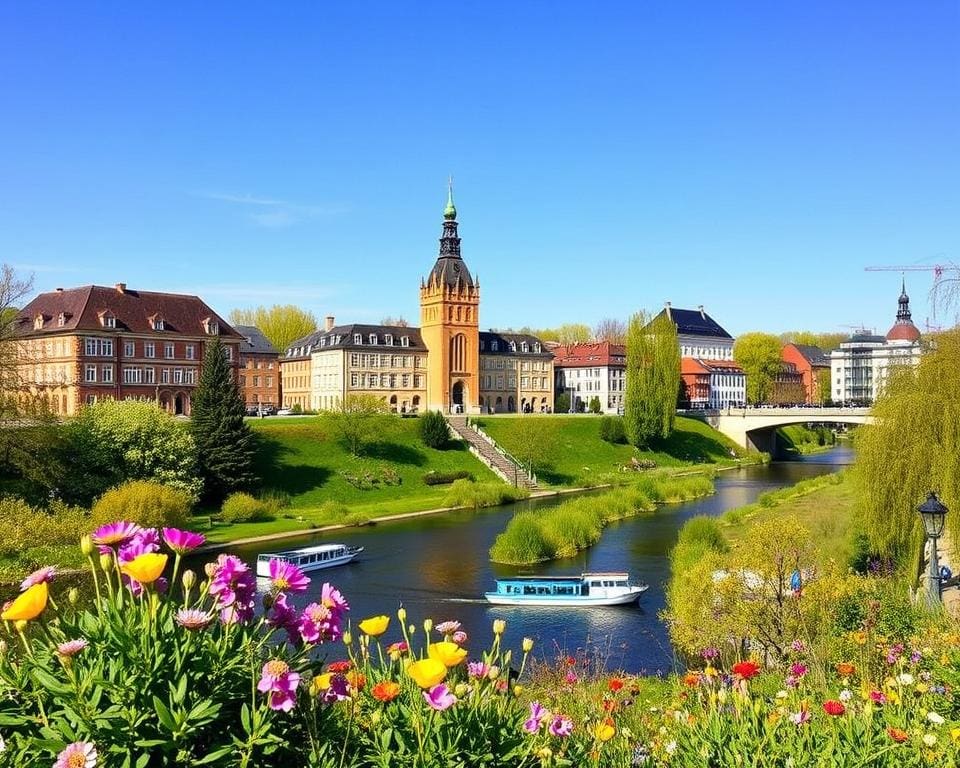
x=438, y=567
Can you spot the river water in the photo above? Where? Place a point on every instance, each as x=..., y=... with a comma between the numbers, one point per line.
x=439, y=567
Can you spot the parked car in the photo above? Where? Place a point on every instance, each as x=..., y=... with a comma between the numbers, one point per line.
x=285, y=412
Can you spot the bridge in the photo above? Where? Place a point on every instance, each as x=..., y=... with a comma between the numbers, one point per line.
x=756, y=427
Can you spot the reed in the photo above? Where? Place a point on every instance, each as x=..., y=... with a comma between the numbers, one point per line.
x=466, y=493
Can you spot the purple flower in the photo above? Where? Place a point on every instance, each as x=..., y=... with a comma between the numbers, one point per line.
x=234, y=587
x=537, y=715
x=192, y=619
x=182, y=542
x=439, y=698
x=338, y=690
x=447, y=627
x=39, y=576
x=561, y=726
x=798, y=646
x=477, y=668
x=143, y=542
x=286, y=576
x=798, y=670
x=459, y=637
x=330, y=596
x=709, y=653
x=280, y=683
x=71, y=647
x=319, y=624
x=282, y=615
x=80, y=754
x=108, y=536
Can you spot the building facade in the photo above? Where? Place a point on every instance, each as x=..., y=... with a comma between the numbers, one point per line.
x=860, y=366
x=259, y=380
x=81, y=345
x=586, y=371
x=446, y=364
x=813, y=365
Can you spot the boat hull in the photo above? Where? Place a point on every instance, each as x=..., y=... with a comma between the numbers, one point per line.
x=566, y=601
x=263, y=566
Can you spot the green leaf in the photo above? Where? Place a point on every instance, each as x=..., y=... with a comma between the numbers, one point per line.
x=163, y=714
x=212, y=757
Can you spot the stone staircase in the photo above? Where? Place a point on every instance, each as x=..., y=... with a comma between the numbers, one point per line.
x=486, y=449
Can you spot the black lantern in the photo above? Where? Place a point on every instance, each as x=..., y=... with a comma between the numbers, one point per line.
x=933, y=513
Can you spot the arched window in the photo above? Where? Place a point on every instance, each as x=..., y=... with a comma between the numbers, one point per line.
x=458, y=353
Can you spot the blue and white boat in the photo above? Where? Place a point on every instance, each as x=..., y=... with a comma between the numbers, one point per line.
x=309, y=558
x=587, y=589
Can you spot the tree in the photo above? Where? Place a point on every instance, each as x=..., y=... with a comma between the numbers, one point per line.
x=652, y=378
x=759, y=355
x=358, y=420
x=573, y=333
x=398, y=322
x=822, y=391
x=611, y=329
x=913, y=447
x=434, y=430
x=281, y=324
x=563, y=403
x=225, y=444
x=594, y=404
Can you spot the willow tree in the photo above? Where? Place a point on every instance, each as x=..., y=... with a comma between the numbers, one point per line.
x=652, y=378
x=759, y=355
x=282, y=325
x=913, y=447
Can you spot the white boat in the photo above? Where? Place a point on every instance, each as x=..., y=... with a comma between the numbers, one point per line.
x=309, y=558
x=587, y=589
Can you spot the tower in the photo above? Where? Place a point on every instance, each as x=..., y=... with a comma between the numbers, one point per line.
x=903, y=329
x=449, y=324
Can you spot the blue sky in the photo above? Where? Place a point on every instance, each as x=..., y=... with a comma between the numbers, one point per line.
x=749, y=156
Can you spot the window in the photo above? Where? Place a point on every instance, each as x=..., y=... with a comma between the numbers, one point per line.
x=106, y=374
x=513, y=346
x=404, y=341
x=165, y=376
x=107, y=320
x=168, y=351
x=354, y=380
x=256, y=381
x=149, y=376
x=354, y=359
x=95, y=347
x=158, y=324
x=536, y=347
x=388, y=339
x=91, y=399
x=358, y=338
x=524, y=347
x=190, y=376
x=228, y=353
x=61, y=320
x=90, y=373
x=178, y=375
x=211, y=326
x=132, y=375
x=149, y=349
x=129, y=349
x=190, y=351
x=269, y=381
x=494, y=346
x=373, y=338
x=405, y=380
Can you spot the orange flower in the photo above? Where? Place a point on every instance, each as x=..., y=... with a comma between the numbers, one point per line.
x=691, y=679
x=897, y=735
x=28, y=605
x=846, y=670
x=746, y=669
x=356, y=679
x=385, y=691
x=615, y=684
x=339, y=666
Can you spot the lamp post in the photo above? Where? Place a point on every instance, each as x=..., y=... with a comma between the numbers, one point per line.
x=933, y=513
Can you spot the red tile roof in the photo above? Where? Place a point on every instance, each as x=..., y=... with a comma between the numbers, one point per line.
x=599, y=354
x=691, y=365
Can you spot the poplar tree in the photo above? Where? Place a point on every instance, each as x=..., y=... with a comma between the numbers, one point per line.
x=652, y=378
x=224, y=441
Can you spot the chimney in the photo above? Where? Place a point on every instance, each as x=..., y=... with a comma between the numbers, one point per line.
x=702, y=313
x=666, y=306
x=328, y=323
x=121, y=287
x=59, y=290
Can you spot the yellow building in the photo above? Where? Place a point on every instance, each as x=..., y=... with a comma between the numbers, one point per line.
x=446, y=365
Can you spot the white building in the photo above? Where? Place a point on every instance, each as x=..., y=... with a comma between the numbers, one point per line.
x=586, y=371
x=859, y=368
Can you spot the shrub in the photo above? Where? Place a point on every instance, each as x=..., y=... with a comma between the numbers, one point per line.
x=698, y=536
x=244, y=508
x=152, y=505
x=434, y=431
x=563, y=403
x=594, y=404
x=522, y=542
x=445, y=478
x=466, y=493
x=23, y=527
x=612, y=430
x=296, y=409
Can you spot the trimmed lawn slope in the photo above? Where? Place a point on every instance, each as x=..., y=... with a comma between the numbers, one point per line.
x=579, y=457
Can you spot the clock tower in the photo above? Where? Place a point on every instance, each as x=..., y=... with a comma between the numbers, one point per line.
x=449, y=324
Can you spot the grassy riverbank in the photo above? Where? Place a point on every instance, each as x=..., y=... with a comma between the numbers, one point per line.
x=801, y=440
x=575, y=456
x=564, y=530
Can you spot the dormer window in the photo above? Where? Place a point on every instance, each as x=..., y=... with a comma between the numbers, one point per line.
x=323, y=341
x=107, y=319
x=61, y=320
x=211, y=326
x=358, y=338
x=388, y=339
x=536, y=346
x=38, y=322
x=524, y=347
x=373, y=338
x=404, y=341
x=513, y=346
x=483, y=345
x=495, y=346
x=156, y=322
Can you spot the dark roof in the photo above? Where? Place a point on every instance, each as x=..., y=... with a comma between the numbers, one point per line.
x=695, y=322
x=257, y=343
x=134, y=312
x=865, y=338
x=450, y=271
x=341, y=337
x=504, y=341
x=813, y=355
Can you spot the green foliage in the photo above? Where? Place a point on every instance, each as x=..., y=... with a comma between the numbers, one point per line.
x=358, y=420
x=243, y=508
x=531, y=444
x=699, y=537
x=282, y=325
x=144, y=502
x=913, y=447
x=445, y=478
x=826, y=341
x=562, y=403
x=652, y=379
x=594, y=404
x=612, y=430
x=759, y=356
x=225, y=444
x=23, y=526
x=434, y=430
x=118, y=440
x=466, y=493
x=296, y=409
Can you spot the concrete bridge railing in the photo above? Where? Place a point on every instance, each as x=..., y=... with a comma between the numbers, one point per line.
x=755, y=427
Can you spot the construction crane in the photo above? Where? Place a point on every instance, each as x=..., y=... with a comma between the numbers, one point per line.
x=938, y=273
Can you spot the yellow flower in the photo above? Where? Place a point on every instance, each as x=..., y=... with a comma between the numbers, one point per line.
x=375, y=625
x=321, y=682
x=450, y=654
x=498, y=626
x=527, y=645
x=145, y=568
x=955, y=734
x=604, y=731
x=427, y=672
x=29, y=605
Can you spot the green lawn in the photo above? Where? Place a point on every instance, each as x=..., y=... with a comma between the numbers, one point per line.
x=299, y=458
x=578, y=456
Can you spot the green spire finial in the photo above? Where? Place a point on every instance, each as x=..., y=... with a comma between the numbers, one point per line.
x=450, y=212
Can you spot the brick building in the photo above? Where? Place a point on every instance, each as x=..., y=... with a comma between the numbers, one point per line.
x=259, y=368
x=813, y=365
x=81, y=345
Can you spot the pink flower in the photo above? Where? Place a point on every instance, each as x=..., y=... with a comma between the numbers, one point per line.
x=39, y=576
x=798, y=670
x=282, y=615
x=72, y=647
x=234, y=587
x=447, y=627
x=286, y=576
x=439, y=698
x=107, y=536
x=571, y=677
x=330, y=597
x=537, y=715
x=459, y=637
x=192, y=619
x=398, y=647
x=182, y=542
x=877, y=697
x=319, y=624
x=800, y=718
x=277, y=680
x=477, y=668
x=561, y=726
x=143, y=542
x=80, y=754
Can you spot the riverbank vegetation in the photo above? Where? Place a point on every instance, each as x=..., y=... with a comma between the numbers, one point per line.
x=576, y=524
x=799, y=439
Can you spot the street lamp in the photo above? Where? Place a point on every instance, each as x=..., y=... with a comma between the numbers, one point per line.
x=933, y=513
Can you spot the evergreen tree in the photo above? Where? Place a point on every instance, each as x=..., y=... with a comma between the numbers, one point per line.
x=224, y=440
x=653, y=379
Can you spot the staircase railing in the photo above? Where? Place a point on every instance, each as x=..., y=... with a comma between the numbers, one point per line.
x=517, y=464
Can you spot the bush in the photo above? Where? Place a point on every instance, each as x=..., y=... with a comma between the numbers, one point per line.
x=23, y=527
x=466, y=493
x=612, y=430
x=433, y=430
x=152, y=505
x=594, y=404
x=445, y=478
x=296, y=409
x=244, y=508
x=562, y=404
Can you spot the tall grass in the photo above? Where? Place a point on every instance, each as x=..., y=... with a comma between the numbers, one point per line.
x=564, y=530
x=466, y=493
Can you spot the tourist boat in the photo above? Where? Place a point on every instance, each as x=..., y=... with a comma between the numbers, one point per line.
x=587, y=589
x=309, y=558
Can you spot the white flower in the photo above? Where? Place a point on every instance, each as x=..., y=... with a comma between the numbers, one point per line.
x=671, y=747
x=782, y=694
x=905, y=678
x=929, y=739
x=934, y=718
x=846, y=694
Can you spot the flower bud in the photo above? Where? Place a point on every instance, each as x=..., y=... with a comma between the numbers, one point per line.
x=494, y=672
x=461, y=689
x=517, y=690
x=73, y=595
x=210, y=569
x=402, y=614
x=347, y=638
x=188, y=579
x=86, y=545
x=411, y=629
x=427, y=625
x=106, y=563
x=506, y=658
x=527, y=645
x=3, y=647
x=375, y=716
x=499, y=625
